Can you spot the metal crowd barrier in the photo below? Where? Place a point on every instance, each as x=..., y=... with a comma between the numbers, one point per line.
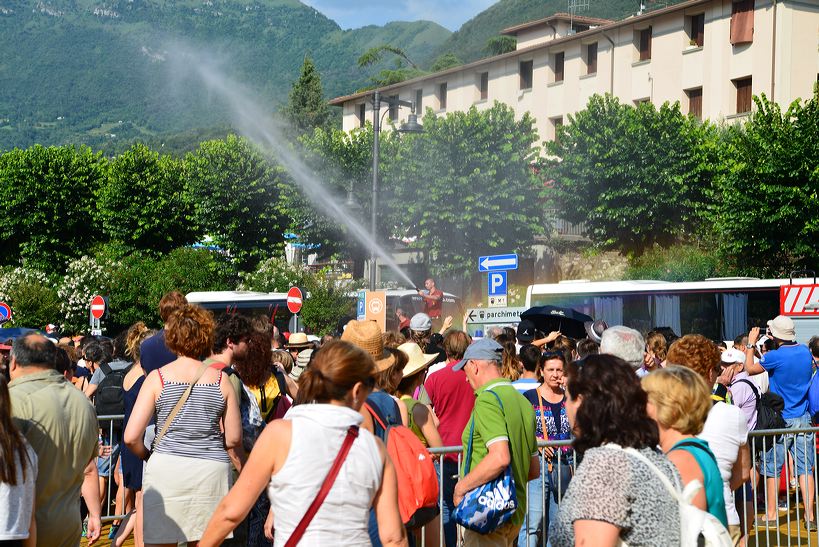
x=107, y=423
x=789, y=530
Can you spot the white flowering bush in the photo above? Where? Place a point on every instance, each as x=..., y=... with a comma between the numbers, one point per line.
x=274, y=275
x=11, y=278
x=84, y=278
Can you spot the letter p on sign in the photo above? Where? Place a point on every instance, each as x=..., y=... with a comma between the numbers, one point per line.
x=497, y=283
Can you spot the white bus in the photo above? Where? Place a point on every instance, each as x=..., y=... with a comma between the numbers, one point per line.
x=274, y=305
x=719, y=309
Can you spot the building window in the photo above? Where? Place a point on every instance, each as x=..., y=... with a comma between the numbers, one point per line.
x=591, y=58
x=442, y=96
x=362, y=115
x=642, y=41
x=419, y=101
x=696, y=30
x=558, y=62
x=743, y=87
x=483, y=85
x=742, y=22
x=556, y=123
x=695, y=102
x=525, y=69
x=393, y=108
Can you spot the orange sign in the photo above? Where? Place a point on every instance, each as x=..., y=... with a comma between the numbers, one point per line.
x=375, y=306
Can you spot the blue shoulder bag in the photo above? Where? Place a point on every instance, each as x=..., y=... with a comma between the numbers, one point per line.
x=490, y=505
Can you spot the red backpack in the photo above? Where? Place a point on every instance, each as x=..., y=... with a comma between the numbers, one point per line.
x=415, y=470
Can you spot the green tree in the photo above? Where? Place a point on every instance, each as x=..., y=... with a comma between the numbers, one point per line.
x=402, y=69
x=307, y=108
x=445, y=61
x=138, y=282
x=763, y=205
x=143, y=203
x=47, y=199
x=327, y=300
x=235, y=193
x=466, y=186
x=633, y=175
x=343, y=161
x=498, y=45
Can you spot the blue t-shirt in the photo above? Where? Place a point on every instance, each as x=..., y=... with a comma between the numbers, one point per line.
x=790, y=368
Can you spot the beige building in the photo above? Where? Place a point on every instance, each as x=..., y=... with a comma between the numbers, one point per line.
x=710, y=55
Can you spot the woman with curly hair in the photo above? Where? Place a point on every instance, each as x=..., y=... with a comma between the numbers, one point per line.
x=188, y=472
x=615, y=495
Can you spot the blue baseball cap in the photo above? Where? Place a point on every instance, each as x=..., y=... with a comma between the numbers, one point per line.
x=484, y=349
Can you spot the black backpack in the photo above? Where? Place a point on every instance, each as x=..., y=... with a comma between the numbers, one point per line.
x=769, y=407
x=109, y=399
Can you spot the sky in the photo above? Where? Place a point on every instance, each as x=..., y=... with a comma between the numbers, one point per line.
x=358, y=13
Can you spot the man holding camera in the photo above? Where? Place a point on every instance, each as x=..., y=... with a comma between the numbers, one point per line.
x=790, y=367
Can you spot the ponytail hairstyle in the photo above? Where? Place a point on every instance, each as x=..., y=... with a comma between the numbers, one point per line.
x=333, y=371
x=11, y=440
x=137, y=334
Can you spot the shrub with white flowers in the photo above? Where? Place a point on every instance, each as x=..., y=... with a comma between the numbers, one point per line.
x=274, y=275
x=84, y=278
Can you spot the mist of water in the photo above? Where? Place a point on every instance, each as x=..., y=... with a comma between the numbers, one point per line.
x=257, y=124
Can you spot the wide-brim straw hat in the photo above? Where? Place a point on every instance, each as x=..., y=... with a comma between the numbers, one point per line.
x=367, y=336
x=299, y=340
x=418, y=360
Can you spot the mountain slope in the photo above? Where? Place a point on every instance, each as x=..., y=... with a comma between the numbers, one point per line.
x=469, y=42
x=96, y=71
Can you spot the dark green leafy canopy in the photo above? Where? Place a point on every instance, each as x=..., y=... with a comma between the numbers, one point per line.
x=498, y=45
x=47, y=203
x=466, y=186
x=343, y=161
x=445, y=61
x=143, y=203
x=633, y=175
x=765, y=203
x=235, y=194
x=307, y=107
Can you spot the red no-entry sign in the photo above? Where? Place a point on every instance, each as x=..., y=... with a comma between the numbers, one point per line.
x=97, y=307
x=294, y=297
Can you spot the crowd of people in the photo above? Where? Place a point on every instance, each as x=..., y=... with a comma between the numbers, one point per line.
x=235, y=434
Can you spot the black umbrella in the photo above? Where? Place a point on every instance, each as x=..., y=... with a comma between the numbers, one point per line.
x=551, y=318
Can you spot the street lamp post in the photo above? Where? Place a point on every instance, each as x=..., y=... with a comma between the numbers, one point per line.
x=410, y=126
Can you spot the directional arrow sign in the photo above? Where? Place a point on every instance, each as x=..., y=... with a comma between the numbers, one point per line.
x=498, y=263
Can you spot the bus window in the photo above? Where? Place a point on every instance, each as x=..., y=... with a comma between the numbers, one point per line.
x=700, y=315
x=762, y=307
x=637, y=312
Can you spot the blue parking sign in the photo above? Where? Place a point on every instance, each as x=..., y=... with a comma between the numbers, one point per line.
x=496, y=283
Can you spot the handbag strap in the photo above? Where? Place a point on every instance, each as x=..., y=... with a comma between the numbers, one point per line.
x=295, y=537
x=468, y=460
x=542, y=419
x=375, y=416
x=675, y=491
x=180, y=403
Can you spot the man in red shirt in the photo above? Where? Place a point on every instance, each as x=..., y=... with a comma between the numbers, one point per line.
x=452, y=400
x=433, y=299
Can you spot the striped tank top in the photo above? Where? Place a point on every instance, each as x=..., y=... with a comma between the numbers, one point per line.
x=195, y=431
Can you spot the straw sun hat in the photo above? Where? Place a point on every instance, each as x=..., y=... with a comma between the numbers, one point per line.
x=299, y=340
x=418, y=360
x=367, y=336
